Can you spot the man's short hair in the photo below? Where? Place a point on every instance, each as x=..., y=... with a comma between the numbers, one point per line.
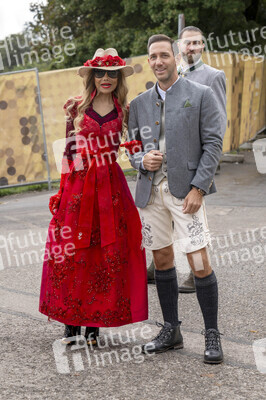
x=190, y=28
x=159, y=38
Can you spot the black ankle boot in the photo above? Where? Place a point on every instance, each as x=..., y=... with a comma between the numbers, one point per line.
x=91, y=334
x=213, y=349
x=168, y=338
x=70, y=332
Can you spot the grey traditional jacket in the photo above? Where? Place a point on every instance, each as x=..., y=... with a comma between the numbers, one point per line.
x=215, y=79
x=192, y=137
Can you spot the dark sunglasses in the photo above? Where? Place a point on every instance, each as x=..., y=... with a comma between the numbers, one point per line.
x=99, y=73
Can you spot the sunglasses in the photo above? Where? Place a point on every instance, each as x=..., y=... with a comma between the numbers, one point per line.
x=99, y=73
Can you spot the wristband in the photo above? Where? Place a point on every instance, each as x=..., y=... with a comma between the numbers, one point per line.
x=200, y=191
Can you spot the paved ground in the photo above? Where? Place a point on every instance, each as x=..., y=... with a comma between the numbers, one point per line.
x=117, y=371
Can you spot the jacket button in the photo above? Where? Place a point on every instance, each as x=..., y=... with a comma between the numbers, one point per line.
x=150, y=178
x=157, y=123
x=157, y=104
x=155, y=140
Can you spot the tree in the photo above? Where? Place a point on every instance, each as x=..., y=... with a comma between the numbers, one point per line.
x=127, y=25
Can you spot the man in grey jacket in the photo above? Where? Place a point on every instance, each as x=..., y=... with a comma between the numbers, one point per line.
x=178, y=125
x=191, y=46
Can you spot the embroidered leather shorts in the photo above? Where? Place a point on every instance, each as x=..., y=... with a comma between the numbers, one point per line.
x=163, y=222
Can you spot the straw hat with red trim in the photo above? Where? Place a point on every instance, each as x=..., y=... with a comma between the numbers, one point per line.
x=107, y=60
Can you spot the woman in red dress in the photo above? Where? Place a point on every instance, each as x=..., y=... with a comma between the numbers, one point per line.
x=94, y=271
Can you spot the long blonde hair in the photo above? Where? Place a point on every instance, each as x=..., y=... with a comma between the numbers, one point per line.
x=120, y=92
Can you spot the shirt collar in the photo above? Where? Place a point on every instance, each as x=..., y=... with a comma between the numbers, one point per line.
x=162, y=92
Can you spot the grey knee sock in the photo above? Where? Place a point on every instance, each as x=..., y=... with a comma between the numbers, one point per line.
x=207, y=294
x=167, y=288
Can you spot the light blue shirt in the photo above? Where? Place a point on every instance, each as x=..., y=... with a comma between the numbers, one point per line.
x=162, y=92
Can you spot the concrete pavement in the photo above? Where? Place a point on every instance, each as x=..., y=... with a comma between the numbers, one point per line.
x=34, y=367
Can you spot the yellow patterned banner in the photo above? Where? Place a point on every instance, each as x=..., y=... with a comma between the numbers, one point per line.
x=244, y=85
x=56, y=88
x=21, y=143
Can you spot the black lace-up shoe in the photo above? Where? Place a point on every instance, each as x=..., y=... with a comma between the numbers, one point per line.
x=69, y=334
x=213, y=349
x=91, y=334
x=168, y=338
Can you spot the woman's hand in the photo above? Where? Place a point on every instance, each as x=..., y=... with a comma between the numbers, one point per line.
x=54, y=202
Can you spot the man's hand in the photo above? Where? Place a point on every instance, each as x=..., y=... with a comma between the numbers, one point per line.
x=192, y=202
x=153, y=160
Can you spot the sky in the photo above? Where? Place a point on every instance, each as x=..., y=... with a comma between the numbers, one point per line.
x=14, y=14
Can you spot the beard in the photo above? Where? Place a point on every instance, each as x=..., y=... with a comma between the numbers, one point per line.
x=191, y=58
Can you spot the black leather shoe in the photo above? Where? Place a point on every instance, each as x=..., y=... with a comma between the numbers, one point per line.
x=168, y=338
x=188, y=286
x=150, y=273
x=213, y=349
x=91, y=334
x=70, y=332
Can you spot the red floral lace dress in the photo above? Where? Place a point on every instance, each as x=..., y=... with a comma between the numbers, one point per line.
x=94, y=270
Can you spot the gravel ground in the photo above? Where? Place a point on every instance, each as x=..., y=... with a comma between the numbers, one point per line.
x=35, y=366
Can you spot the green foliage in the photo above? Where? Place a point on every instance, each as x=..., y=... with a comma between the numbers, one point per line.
x=127, y=24
x=23, y=189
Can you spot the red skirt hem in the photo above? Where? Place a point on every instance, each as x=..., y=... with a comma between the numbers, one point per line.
x=141, y=318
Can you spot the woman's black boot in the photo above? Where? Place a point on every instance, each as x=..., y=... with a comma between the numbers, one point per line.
x=70, y=331
x=91, y=334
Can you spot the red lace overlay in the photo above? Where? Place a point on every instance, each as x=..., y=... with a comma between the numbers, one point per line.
x=94, y=270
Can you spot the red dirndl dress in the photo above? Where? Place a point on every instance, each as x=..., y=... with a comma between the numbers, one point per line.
x=94, y=270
